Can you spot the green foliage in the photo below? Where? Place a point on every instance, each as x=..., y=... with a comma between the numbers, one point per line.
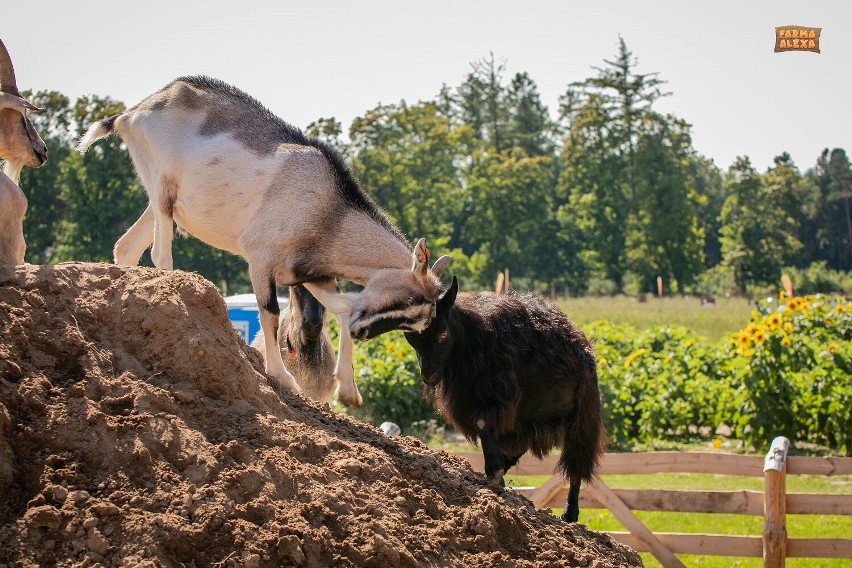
x=388, y=377
x=786, y=373
x=819, y=279
x=755, y=240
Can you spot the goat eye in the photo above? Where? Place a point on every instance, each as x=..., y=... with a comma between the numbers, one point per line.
x=411, y=301
x=443, y=337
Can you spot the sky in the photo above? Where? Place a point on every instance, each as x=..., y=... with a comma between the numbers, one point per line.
x=310, y=59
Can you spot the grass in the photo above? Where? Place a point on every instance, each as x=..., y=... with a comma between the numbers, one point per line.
x=798, y=526
x=712, y=323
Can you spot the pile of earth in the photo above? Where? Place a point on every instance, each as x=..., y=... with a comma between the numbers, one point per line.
x=136, y=429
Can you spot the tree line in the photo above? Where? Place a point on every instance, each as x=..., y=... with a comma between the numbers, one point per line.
x=605, y=197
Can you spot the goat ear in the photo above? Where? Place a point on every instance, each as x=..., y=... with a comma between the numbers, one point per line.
x=440, y=265
x=448, y=298
x=420, y=259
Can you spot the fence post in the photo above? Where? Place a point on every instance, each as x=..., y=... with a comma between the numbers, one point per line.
x=775, y=504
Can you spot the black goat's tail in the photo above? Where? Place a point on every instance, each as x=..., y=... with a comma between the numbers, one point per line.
x=584, y=440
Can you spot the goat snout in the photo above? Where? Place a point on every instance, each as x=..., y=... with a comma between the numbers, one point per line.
x=312, y=328
x=361, y=333
x=41, y=155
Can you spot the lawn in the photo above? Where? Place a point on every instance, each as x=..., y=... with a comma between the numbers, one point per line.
x=798, y=526
x=713, y=323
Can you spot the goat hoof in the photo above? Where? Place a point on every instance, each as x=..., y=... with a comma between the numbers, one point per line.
x=350, y=397
x=287, y=382
x=569, y=517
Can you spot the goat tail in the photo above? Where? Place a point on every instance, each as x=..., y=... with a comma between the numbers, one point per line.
x=584, y=440
x=95, y=132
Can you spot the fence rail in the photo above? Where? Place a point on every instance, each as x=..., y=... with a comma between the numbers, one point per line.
x=774, y=503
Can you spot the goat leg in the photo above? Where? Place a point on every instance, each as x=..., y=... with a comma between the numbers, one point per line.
x=340, y=305
x=495, y=466
x=572, y=504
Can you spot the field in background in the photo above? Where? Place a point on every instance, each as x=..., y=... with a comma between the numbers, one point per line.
x=712, y=323
x=798, y=526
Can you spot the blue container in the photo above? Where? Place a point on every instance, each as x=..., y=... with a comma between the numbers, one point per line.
x=242, y=311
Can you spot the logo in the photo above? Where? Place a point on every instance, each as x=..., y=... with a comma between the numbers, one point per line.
x=797, y=38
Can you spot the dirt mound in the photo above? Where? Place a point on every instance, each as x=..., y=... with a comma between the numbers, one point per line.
x=137, y=430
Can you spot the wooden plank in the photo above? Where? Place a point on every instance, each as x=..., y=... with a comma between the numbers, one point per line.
x=819, y=548
x=703, y=544
x=679, y=462
x=729, y=502
x=798, y=465
x=818, y=504
x=682, y=462
x=662, y=553
x=544, y=494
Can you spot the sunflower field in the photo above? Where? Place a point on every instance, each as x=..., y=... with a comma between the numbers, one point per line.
x=788, y=372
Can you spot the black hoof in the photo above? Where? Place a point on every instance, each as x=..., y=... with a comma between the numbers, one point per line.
x=570, y=517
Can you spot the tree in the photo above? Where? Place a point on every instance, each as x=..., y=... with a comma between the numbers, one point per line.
x=606, y=115
x=41, y=186
x=664, y=233
x=514, y=219
x=408, y=159
x=99, y=191
x=529, y=126
x=482, y=101
x=755, y=232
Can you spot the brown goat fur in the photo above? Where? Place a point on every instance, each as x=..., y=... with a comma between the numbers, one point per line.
x=515, y=373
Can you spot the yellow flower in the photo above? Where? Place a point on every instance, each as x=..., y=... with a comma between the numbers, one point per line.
x=753, y=328
x=688, y=343
x=832, y=347
x=775, y=321
x=785, y=341
x=788, y=327
x=717, y=443
x=744, y=339
x=759, y=337
x=839, y=308
x=633, y=356
x=782, y=295
x=793, y=304
x=602, y=362
x=829, y=322
x=390, y=347
x=754, y=315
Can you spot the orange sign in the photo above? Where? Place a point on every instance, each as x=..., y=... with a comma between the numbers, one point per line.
x=797, y=38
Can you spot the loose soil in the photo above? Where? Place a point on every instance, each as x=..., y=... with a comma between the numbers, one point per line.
x=136, y=429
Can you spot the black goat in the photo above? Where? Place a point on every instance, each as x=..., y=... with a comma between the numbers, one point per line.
x=305, y=346
x=514, y=372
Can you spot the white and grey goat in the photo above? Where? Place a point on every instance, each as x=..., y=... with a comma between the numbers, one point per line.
x=20, y=145
x=226, y=170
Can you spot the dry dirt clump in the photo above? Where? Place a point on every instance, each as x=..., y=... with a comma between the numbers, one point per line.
x=136, y=429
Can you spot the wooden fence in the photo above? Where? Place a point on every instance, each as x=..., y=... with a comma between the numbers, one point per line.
x=774, y=503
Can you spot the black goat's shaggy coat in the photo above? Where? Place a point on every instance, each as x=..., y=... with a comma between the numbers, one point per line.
x=515, y=373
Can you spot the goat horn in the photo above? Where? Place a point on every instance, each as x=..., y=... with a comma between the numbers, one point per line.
x=7, y=72
x=17, y=103
x=440, y=265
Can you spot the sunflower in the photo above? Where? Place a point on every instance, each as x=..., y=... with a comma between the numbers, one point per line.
x=793, y=304
x=744, y=339
x=759, y=337
x=785, y=341
x=775, y=321
x=788, y=327
x=839, y=308
x=831, y=348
